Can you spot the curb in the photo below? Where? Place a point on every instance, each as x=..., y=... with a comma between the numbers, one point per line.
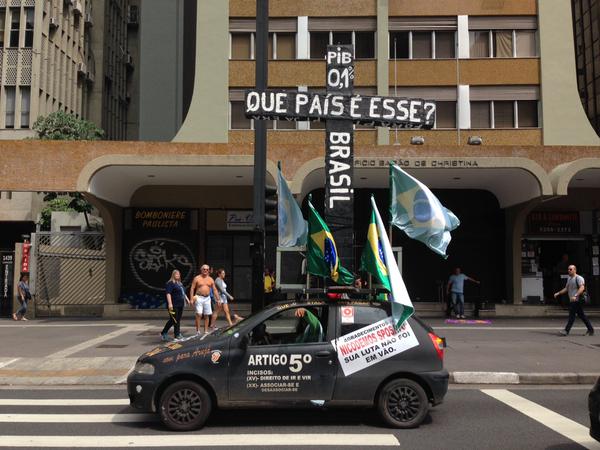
x=522, y=378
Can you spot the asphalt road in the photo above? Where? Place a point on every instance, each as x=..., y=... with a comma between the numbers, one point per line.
x=472, y=417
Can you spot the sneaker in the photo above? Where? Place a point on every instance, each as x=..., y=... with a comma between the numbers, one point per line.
x=179, y=336
x=164, y=337
x=462, y=317
x=563, y=333
x=589, y=333
x=458, y=316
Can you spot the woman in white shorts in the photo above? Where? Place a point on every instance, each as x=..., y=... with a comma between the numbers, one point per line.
x=223, y=297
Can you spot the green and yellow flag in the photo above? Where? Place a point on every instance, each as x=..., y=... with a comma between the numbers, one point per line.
x=372, y=260
x=322, y=256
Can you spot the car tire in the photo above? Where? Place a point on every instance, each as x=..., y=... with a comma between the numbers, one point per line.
x=184, y=406
x=402, y=403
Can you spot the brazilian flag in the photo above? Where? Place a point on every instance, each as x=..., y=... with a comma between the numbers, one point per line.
x=322, y=256
x=372, y=260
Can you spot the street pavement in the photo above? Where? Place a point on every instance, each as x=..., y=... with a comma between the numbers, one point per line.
x=483, y=418
x=101, y=352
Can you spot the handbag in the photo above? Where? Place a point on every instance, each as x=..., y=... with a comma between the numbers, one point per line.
x=584, y=298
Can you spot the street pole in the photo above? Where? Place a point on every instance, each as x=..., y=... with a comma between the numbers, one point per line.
x=260, y=160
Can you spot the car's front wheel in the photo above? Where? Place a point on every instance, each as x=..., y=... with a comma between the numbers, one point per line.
x=184, y=406
x=402, y=403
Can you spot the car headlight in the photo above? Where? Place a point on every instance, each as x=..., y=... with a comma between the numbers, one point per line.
x=144, y=368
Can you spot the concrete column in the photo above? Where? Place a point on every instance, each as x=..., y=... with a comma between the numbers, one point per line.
x=464, y=107
x=383, y=82
x=302, y=41
x=565, y=122
x=462, y=36
x=208, y=117
x=112, y=217
x=515, y=227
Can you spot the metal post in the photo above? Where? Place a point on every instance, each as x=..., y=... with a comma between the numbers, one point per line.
x=260, y=160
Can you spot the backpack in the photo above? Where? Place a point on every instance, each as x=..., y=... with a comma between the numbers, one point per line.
x=583, y=297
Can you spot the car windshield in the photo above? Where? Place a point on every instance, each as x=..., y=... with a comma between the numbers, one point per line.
x=232, y=328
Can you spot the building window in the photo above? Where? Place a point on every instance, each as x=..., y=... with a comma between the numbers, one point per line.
x=9, y=91
x=479, y=44
x=28, y=27
x=282, y=45
x=504, y=114
x=363, y=41
x=527, y=113
x=399, y=44
x=25, y=106
x=239, y=121
x=319, y=40
x=15, y=20
x=445, y=115
x=2, y=26
x=480, y=115
x=241, y=45
x=503, y=43
x=444, y=44
x=526, y=43
x=422, y=44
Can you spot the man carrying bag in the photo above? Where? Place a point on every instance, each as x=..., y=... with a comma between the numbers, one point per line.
x=575, y=288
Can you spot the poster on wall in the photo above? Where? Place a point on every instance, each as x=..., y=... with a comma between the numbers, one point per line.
x=157, y=241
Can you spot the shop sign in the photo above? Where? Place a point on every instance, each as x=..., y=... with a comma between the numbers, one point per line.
x=160, y=219
x=7, y=273
x=240, y=220
x=441, y=163
x=549, y=222
x=25, y=258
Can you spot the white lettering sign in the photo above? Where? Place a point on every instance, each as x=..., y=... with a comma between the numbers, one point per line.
x=372, y=344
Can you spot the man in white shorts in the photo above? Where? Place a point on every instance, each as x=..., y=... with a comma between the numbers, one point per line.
x=200, y=295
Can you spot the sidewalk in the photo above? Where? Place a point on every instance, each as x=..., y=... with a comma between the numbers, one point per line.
x=101, y=352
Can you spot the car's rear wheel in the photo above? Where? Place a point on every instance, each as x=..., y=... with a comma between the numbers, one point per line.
x=184, y=406
x=402, y=403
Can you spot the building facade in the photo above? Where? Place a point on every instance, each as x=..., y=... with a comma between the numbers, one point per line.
x=511, y=153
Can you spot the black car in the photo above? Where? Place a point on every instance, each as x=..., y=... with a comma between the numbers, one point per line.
x=594, y=407
x=299, y=353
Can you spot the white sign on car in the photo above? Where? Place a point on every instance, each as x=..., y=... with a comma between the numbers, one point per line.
x=372, y=344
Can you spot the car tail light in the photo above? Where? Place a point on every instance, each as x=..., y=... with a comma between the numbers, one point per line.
x=438, y=344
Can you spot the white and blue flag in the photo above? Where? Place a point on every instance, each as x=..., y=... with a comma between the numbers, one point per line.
x=292, y=227
x=416, y=211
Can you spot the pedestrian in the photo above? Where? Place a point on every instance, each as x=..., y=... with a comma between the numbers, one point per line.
x=202, y=285
x=456, y=289
x=24, y=296
x=222, y=298
x=574, y=288
x=176, y=300
x=269, y=285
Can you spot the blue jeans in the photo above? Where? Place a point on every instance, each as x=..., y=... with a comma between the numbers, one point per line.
x=458, y=303
x=576, y=309
x=23, y=309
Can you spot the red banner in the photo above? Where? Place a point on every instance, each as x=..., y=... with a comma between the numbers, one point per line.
x=25, y=259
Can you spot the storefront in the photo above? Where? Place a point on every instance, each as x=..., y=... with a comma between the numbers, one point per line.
x=553, y=240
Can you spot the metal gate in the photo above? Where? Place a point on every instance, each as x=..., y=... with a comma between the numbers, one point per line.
x=69, y=269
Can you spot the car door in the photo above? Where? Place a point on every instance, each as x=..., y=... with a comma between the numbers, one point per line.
x=288, y=356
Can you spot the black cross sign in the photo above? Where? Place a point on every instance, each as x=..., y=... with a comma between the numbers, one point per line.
x=340, y=109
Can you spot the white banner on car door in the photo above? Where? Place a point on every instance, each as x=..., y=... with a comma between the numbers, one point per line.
x=372, y=344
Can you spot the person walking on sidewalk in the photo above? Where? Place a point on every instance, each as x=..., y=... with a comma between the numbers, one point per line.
x=574, y=288
x=202, y=285
x=222, y=298
x=176, y=300
x=24, y=296
x=456, y=290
